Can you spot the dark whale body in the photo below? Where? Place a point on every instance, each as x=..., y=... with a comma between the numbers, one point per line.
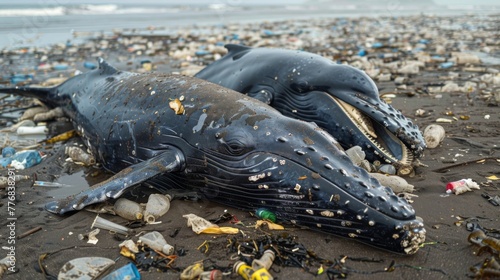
x=339, y=98
x=229, y=147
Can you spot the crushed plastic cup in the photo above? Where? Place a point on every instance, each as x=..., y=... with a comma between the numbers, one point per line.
x=108, y=225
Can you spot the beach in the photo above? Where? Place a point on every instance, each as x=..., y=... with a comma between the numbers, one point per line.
x=436, y=68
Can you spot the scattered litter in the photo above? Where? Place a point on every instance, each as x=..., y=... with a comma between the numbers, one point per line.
x=84, y=268
x=108, y=225
x=78, y=155
x=36, y=130
x=200, y=225
x=25, y=159
x=157, y=206
x=444, y=120
x=269, y=224
x=266, y=214
x=396, y=183
x=156, y=241
x=92, y=236
x=495, y=200
x=461, y=186
x=128, y=209
x=433, y=135
x=126, y=272
x=7, y=264
x=50, y=115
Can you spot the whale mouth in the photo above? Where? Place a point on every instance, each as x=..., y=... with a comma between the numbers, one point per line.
x=383, y=142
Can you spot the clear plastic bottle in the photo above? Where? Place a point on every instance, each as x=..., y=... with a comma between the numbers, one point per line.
x=156, y=241
x=156, y=207
x=128, y=209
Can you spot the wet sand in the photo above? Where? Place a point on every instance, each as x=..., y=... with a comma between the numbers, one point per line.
x=469, y=150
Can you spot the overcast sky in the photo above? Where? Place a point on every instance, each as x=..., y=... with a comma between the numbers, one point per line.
x=232, y=2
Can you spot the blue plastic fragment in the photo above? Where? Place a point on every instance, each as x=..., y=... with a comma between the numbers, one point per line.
x=8, y=152
x=445, y=65
x=423, y=41
x=4, y=162
x=201, y=52
x=60, y=67
x=89, y=65
x=18, y=78
x=362, y=52
x=377, y=45
x=267, y=32
x=29, y=158
x=128, y=271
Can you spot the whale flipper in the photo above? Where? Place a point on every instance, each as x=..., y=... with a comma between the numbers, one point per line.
x=169, y=161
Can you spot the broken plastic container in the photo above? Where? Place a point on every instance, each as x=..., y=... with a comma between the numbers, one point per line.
x=157, y=206
x=128, y=209
x=156, y=241
x=265, y=261
x=26, y=159
x=128, y=271
x=108, y=225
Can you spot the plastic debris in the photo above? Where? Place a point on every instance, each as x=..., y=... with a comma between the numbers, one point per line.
x=26, y=159
x=92, y=236
x=193, y=271
x=495, y=200
x=356, y=154
x=8, y=152
x=387, y=169
x=270, y=225
x=248, y=273
x=433, y=135
x=200, y=225
x=23, y=123
x=213, y=274
x=108, y=225
x=49, y=184
x=26, y=130
x=156, y=241
x=7, y=264
x=157, y=206
x=461, y=186
x=266, y=261
x=84, y=268
x=61, y=137
x=126, y=272
x=130, y=245
x=77, y=154
x=396, y=183
x=265, y=214
x=128, y=209
x=89, y=65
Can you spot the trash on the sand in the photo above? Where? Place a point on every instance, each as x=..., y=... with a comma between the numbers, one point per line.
x=126, y=272
x=444, y=120
x=50, y=115
x=108, y=225
x=193, y=271
x=446, y=65
x=495, y=200
x=213, y=274
x=126, y=252
x=101, y=208
x=266, y=261
x=177, y=106
x=478, y=237
x=29, y=232
x=31, y=112
x=26, y=159
x=7, y=264
x=387, y=169
x=84, y=268
x=92, y=236
x=19, y=78
x=356, y=154
x=49, y=184
x=156, y=241
x=4, y=163
x=461, y=186
x=8, y=152
x=147, y=65
x=11, y=180
x=493, y=178
x=26, y=123
x=396, y=183
x=487, y=269
x=60, y=67
x=36, y=130
x=200, y=225
x=433, y=135
x=157, y=206
x=247, y=272
x=130, y=245
x=89, y=65
x=61, y=137
x=78, y=155
x=128, y=209
x=270, y=225
x=265, y=214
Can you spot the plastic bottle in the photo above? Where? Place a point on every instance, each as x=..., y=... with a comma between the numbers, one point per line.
x=265, y=261
x=214, y=274
x=4, y=181
x=248, y=273
x=265, y=214
x=156, y=241
x=433, y=135
x=77, y=154
x=396, y=183
x=108, y=225
x=128, y=271
x=128, y=209
x=156, y=207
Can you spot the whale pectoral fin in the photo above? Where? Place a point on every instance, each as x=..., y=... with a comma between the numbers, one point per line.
x=262, y=95
x=169, y=161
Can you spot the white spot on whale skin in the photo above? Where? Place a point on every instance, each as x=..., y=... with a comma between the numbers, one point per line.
x=256, y=177
x=200, y=123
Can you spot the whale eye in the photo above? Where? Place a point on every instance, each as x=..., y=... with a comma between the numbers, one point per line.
x=236, y=142
x=301, y=86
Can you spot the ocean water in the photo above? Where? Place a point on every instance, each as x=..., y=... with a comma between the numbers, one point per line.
x=43, y=22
